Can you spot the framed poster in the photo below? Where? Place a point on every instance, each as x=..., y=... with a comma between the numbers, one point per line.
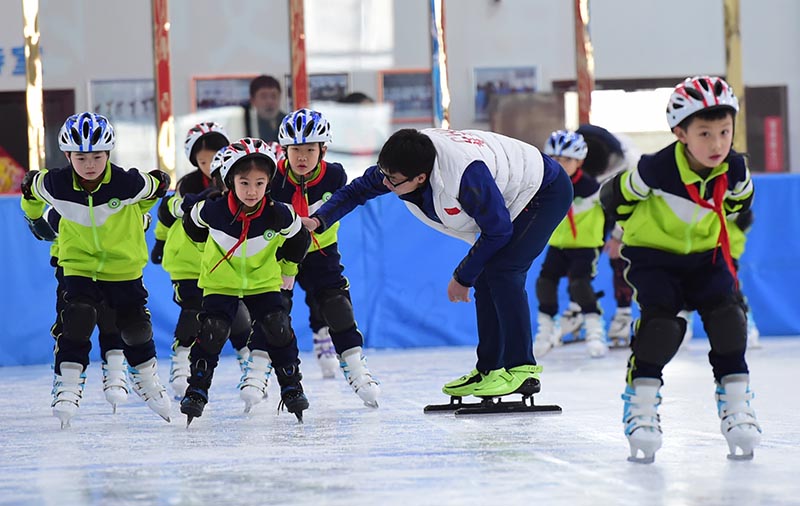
x=327, y=87
x=124, y=100
x=209, y=92
x=410, y=92
x=498, y=81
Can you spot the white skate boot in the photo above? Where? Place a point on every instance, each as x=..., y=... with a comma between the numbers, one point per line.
x=147, y=386
x=753, y=334
x=640, y=416
x=571, y=321
x=548, y=335
x=179, y=370
x=354, y=367
x=326, y=353
x=689, y=333
x=595, y=335
x=738, y=420
x=619, y=330
x=115, y=378
x=67, y=392
x=242, y=355
x=253, y=386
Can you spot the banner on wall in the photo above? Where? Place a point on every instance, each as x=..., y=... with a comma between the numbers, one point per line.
x=11, y=173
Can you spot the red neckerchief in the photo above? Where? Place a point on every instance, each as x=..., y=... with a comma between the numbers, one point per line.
x=570, y=213
x=236, y=210
x=206, y=180
x=723, y=241
x=300, y=195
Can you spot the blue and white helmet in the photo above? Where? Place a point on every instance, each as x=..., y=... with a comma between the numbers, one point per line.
x=86, y=132
x=567, y=144
x=304, y=126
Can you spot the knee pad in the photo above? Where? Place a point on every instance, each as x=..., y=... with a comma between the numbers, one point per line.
x=134, y=326
x=188, y=326
x=106, y=319
x=337, y=311
x=241, y=324
x=78, y=320
x=547, y=293
x=581, y=292
x=278, y=329
x=658, y=337
x=726, y=326
x=214, y=331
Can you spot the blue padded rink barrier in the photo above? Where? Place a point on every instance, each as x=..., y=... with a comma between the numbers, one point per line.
x=347, y=453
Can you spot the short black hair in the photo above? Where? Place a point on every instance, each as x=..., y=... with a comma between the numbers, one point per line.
x=408, y=152
x=597, y=158
x=260, y=163
x=356, y=97
x=710, y=114
x=263, y=81
x=213, y=141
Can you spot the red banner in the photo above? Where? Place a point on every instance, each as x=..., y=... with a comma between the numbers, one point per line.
x=161, y=58
x=773, y=144
x=300, y=97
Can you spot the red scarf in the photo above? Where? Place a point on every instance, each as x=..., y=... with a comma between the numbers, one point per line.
x=235, y=208
x=300, y=195
x=723, y=241
x=570, y=213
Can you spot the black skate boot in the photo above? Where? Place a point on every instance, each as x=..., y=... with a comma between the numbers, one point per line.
x=196, y=396
x=292, y=396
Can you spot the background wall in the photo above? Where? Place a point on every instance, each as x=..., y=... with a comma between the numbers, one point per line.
x=84, y=40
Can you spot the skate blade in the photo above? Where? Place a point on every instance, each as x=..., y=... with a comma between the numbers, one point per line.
x=740, y=456
x=65, y=424
x=189, y=421
x=299, y=417
x=454, y=404
x=371, y=404
x=643, y=460
x=113, y=409
x=166, y=418
x=508, y=408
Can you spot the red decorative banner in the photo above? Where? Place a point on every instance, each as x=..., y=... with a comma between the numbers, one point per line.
x=300, y=97
x=161, y=59
x=773, y=144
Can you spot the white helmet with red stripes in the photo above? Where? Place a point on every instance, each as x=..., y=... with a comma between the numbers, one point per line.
x=277, y=150
x=241, y=150
x=199, y=131
x=699, y=93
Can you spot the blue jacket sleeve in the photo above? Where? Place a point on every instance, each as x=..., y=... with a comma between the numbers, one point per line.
x=481, y=199
x=347, y=198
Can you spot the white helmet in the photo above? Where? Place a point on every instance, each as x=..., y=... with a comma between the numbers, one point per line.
x=216, y=162
x=241, y=150
x=199, y=131
x=86, y=132
x=277, y=150
x=567, y=144
x=304, y=126
x=699, y=93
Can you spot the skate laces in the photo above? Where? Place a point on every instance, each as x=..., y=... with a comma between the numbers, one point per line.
x=323, y=347
x=256, y=377
x=67, y=391
x=734, y=408
x=145, y=382
x=357, y=374
x=640, y=411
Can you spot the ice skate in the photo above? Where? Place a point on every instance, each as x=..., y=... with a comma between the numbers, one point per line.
x=326, y=353
x=640, y=416
x=193, y=402
x=115, y=378
x=548, y=335
x=354, y=367
x=253, y=386
x=242, y=355
x=753, y=334
x=571, y=322
x=67, y=392
x=738, y=419
x=292, y=396
x=595, y=335
x=147, y=386
x=619, y=330
x=179, y=370
x=689, y=332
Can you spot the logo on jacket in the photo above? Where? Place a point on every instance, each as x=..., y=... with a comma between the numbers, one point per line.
x=326, y=196
x=269, y=235
x=114, y=203
x=452, y=211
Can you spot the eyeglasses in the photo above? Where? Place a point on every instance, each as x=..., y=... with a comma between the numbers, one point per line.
x=388, y=178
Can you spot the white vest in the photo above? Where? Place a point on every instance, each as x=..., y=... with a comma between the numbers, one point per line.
x=516, y=167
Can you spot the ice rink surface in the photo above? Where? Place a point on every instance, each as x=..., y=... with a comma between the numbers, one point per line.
x=348, y=454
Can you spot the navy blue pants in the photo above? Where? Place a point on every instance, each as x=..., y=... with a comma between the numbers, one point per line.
x=504, y=318
x=321, y=276
x=667, y=282
x=259, y=306
x=127, y=299
x=574, y=263
x=189, y=296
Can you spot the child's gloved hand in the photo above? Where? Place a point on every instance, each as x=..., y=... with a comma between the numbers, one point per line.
x=157, y=253
x=164, y=181
x=41, y=229
x=27, y=182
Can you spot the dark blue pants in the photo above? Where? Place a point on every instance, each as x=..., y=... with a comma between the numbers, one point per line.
x=189, y=296
x=667, y=282
x=321, y=276
x=127, y=299
x=501, y=301
x=577, y=263
x=259, y=306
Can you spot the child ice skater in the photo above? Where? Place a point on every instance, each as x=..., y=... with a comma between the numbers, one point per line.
x=673, y=209
x=102, y=252
x=306, y=181
x=253, y=246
